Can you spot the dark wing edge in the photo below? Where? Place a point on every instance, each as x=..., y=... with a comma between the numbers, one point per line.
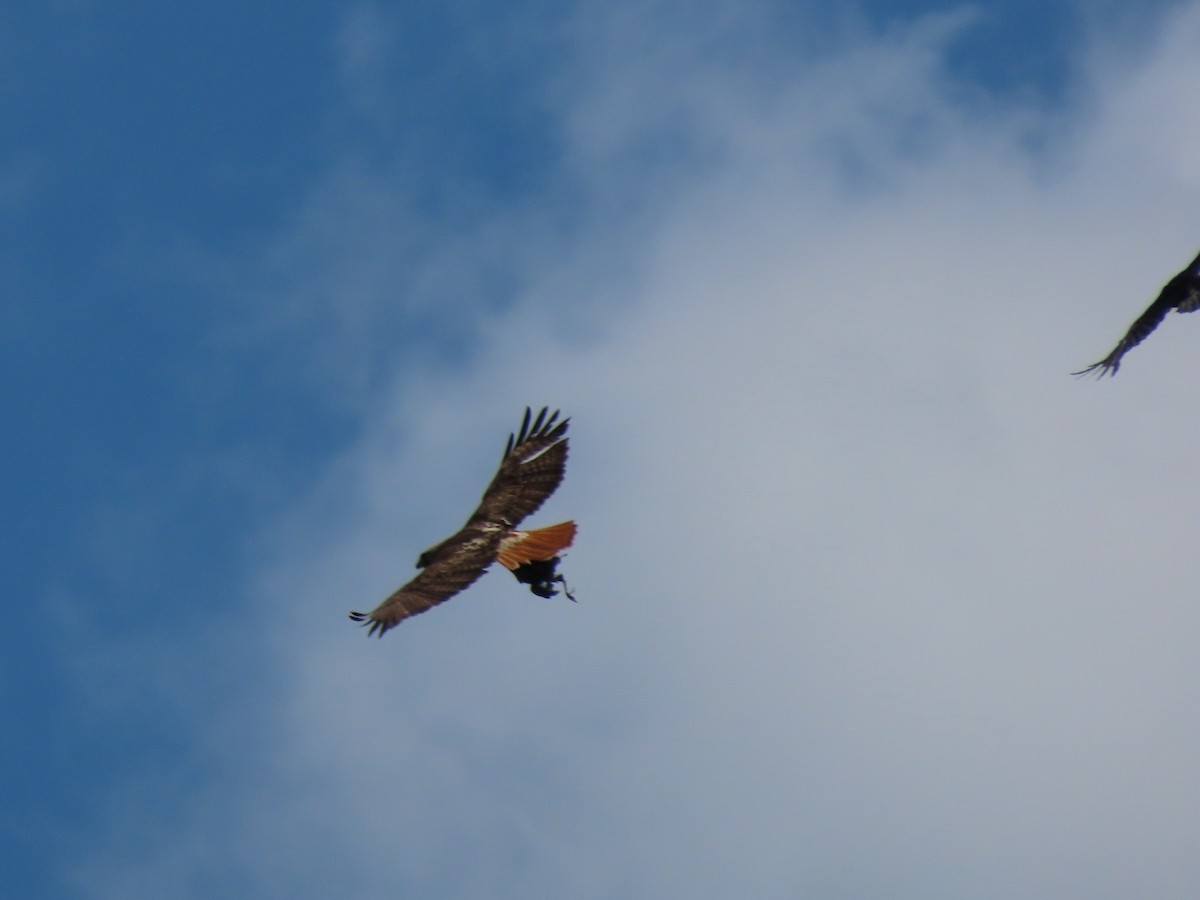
x=1181, y=293
x=531, y=469
x=1138, y=332
x=435, y=584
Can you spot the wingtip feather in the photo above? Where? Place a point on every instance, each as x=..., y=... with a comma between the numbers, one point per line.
x=1099, y=369
x=375, y=628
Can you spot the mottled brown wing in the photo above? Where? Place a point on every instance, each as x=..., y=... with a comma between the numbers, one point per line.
x=439, y=581
x=532, y=467
x=1182, y=293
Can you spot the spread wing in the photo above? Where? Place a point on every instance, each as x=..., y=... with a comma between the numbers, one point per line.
x=444, y=577
x=1182, y=293
x=1138, y=332
x=532, y=467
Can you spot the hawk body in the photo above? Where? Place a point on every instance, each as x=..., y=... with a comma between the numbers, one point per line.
x=1181, y=293
x=531, y=468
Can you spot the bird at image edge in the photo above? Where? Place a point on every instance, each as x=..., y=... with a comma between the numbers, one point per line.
x=533, y=465
x=1181, y=293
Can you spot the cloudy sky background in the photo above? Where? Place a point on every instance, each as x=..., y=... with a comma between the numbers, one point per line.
x=874, y=599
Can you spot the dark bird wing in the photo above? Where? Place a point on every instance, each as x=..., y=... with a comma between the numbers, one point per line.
x=1181, y=293
x=532, y=467
x=1138, y=332
x=457, y=568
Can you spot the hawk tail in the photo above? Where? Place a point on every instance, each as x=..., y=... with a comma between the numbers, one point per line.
x=521, y=547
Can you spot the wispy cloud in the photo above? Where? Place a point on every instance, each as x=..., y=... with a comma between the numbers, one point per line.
x=874, y=598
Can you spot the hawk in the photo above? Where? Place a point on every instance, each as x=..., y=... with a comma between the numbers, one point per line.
x=531, y=468
x=1181, y=293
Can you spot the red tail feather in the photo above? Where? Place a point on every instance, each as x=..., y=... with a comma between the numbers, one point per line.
x=521, y=547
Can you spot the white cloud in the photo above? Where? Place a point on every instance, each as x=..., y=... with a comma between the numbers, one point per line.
x=875, y=600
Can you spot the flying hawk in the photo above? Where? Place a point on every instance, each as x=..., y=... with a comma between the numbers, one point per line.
x=1181, y=293
x=532, y=467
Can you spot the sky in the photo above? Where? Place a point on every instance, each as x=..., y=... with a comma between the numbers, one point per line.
x=875, y=599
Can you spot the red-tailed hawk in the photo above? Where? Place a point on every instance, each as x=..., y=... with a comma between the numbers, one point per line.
x=532, y=467
x=1181, y=293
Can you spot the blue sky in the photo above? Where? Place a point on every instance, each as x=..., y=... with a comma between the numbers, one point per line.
x=875, y=600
